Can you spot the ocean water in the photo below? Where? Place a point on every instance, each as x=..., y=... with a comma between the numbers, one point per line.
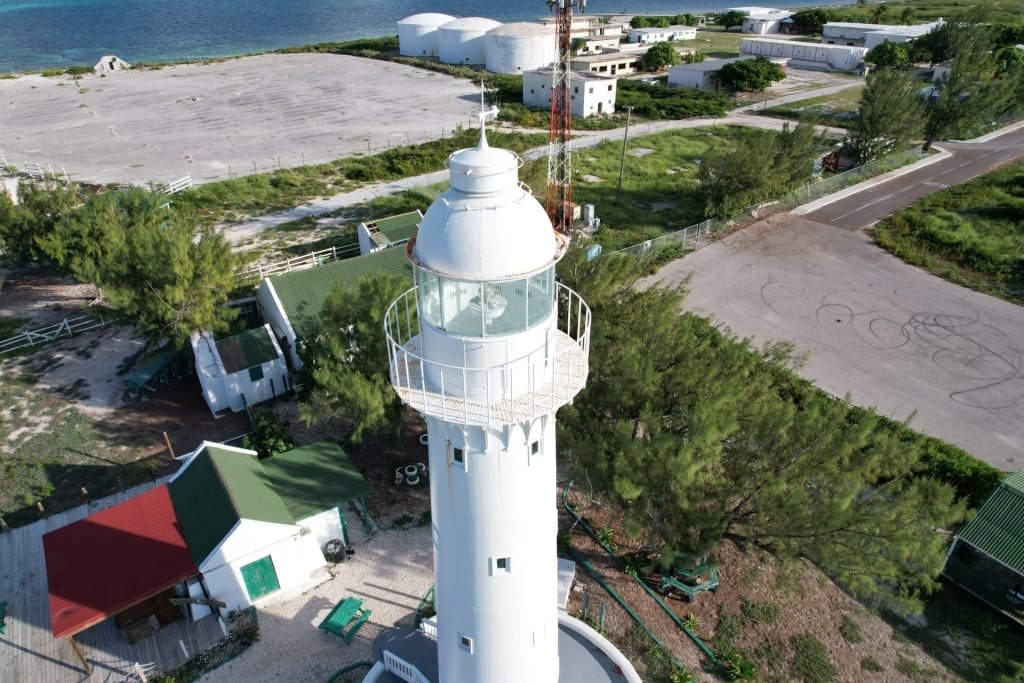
x=38, y=34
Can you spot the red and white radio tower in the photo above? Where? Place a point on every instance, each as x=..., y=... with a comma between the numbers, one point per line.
x=559, y=190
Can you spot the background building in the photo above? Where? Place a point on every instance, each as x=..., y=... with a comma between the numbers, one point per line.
x=763, y=20
x=592, y=94
x=649, y=36
x=806, y=55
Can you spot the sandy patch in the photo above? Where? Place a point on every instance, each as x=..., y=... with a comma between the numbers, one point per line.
x=640, y=151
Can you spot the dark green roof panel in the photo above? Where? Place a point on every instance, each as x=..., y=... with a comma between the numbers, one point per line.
x=246, y=484
x=998, y=528
x=246, y=350
x=315, y=478
x=203, y=506
x=400, y=227
x=302, y=293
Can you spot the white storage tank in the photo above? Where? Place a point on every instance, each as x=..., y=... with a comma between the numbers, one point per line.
x=418, y=34
x=462, y=41
x=522, y=46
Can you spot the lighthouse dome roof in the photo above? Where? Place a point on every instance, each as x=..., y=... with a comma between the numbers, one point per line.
x=487, y=226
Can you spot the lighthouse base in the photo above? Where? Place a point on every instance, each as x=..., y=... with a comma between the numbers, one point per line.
x=584, y=655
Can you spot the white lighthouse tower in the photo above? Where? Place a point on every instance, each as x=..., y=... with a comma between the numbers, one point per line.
x=487, y=346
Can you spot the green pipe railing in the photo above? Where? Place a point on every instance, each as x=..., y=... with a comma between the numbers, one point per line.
x=672, y=615
x=622, y=603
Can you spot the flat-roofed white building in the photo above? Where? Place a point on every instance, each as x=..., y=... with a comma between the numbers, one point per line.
x=701, y=75
x=591, y=94
x=663, y=34
x=762, y=20
x=870, y=35
x=616, y=63
x=814, y=56
x=596, y=45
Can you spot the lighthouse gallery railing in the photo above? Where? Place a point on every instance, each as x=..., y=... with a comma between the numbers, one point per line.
x=530, y=393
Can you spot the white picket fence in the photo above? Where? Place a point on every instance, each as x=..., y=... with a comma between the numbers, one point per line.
x=66, y=328
x=310, y=260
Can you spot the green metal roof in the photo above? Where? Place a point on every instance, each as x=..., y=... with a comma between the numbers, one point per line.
x=216, y=489
x=397, y=228
x=998, y=528
x=246, y=350
x=314, y=478
x=302, y=293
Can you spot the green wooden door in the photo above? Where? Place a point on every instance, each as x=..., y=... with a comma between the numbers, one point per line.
x=260, y=578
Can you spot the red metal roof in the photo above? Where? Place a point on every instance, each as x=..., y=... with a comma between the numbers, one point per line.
x=113, y=559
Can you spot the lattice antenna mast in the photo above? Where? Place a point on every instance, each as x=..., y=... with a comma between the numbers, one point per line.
x=559, y=190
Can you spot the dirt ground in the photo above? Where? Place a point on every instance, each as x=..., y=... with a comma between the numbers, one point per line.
x=781, y=601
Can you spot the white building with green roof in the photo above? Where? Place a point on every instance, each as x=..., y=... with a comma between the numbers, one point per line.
x=256, y=528
x=388, y=232
x=241, y=370
x=292, y=303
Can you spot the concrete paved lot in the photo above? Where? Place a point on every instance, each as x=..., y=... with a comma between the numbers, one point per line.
x=219, y=119
x=888, y=334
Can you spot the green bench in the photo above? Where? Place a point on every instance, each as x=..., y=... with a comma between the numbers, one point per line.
x=3, y=616
x=346, y=619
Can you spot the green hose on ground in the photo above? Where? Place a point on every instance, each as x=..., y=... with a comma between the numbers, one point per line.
x=672, y=615
x=348, y=669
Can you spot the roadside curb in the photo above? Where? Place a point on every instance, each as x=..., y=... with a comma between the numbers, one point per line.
x=816, y=204
x=993, y=135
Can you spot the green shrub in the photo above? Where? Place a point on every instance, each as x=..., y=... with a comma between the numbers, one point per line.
x=850, y=630
x=268, y=436
x=869, y=664
x=972, y=478
x=728, y=631
x=760, y=612
x=811, y=663
x=79, y=70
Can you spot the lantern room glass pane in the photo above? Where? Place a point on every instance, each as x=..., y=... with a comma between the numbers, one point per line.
x=485, y=309
x=429, y=298
x=541, y=297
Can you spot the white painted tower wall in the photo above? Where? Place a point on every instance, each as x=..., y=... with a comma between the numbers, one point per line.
x=488, y=363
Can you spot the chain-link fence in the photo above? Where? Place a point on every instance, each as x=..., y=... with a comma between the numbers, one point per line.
x=691, y=236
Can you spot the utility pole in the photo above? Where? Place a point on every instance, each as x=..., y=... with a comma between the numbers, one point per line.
x=622, y=161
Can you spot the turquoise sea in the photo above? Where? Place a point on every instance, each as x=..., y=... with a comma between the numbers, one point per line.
x=39, y=34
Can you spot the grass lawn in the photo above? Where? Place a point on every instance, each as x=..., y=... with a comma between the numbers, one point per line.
x=660, y=191
x=971, y=234
x=836, y=109
x=50, y=448
x=715, y=44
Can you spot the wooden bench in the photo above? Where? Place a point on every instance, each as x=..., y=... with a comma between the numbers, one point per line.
x=346, y=619
x=3, y=616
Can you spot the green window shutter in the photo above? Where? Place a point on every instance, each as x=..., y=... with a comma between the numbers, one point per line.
x=260, y=578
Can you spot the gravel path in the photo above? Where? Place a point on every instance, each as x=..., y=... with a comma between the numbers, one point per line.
x=390, y=572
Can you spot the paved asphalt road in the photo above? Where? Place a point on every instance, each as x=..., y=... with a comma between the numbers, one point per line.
x=885, y=333
x=968, y=160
